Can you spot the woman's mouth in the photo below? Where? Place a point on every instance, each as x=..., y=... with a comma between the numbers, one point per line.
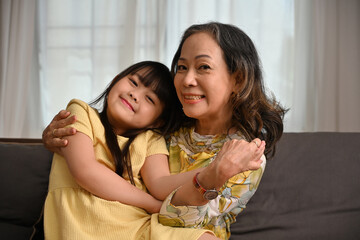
x=193, y=98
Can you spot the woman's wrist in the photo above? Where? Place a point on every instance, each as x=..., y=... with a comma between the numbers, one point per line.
x=210, y=178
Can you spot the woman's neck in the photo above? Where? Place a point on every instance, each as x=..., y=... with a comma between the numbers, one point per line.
x=213, y=127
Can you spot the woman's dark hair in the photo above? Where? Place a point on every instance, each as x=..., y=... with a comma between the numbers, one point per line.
x=158, y=77
x=254, y=113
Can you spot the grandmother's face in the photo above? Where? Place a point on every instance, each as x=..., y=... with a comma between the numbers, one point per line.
x=202, y=80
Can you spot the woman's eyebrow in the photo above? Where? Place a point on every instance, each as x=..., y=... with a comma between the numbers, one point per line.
x=197, y=57
x=202, y=56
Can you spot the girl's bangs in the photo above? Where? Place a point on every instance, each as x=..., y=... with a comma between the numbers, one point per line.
x=156, y=80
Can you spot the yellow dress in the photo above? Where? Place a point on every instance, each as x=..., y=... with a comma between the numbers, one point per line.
x=71, y=212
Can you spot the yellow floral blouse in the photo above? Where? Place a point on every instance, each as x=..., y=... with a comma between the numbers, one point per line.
x=189, y=150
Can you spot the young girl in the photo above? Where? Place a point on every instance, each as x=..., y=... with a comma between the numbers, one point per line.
x=85, y=199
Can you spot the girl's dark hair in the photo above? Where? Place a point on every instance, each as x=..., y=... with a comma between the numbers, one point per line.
x=254, y=113
x=158, y=77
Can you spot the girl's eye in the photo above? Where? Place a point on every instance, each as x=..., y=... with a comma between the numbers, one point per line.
x=150, y=99
x=133, y=82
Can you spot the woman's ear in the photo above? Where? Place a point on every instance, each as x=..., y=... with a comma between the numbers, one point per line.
x=236, y=83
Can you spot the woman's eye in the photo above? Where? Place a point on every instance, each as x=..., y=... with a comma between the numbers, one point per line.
x=205, y=67
x=181, y=67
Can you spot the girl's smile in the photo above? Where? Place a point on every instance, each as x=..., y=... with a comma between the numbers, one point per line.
x=127, y=104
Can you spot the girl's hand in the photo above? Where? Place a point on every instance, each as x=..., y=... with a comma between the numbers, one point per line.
x=53, y=133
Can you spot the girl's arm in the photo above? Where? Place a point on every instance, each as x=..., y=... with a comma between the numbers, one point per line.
x=157, y=178
x=99, y=179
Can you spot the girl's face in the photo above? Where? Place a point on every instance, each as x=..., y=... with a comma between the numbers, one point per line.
x=131, y=105
x=202, y=81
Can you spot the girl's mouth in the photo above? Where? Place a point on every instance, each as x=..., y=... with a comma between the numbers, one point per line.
x=127, y=104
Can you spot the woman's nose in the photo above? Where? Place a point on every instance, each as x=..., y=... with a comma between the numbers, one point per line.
x=189, y=79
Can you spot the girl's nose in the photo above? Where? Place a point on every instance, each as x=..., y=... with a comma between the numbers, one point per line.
x=132, y=95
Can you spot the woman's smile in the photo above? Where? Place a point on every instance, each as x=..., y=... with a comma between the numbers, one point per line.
x=191, y=99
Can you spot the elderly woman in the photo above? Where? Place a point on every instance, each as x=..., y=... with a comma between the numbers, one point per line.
x=229, y=118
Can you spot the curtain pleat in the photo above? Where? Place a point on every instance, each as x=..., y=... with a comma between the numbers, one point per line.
x=19, y=98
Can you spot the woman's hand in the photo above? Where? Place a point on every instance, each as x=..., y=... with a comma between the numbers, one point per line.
x=53, y=133
x=236, y=156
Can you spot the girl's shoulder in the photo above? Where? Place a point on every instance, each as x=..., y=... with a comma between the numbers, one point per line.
x=79, y=106
x=149, y=134
x=78, y=103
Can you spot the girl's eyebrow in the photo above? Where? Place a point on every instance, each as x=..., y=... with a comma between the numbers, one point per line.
x=137, y=75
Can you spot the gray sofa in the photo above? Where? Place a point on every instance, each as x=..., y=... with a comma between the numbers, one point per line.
x=310, y=190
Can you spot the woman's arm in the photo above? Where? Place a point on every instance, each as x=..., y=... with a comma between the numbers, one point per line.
x=236, y=156
x=157, y=178
x=100, y=180
x=187, y=207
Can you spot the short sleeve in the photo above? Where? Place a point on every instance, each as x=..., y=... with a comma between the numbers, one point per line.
x=156, y=144
x=82, y=111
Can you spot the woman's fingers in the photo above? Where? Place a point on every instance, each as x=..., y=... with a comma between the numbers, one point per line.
x=63, y=132
x=62, y=120
x=55, y=131
x=56, y=128
x=61, y=115
x=239, y=156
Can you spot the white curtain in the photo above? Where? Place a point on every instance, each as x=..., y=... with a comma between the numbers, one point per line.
x=87, y=42
x=326, y=84
x=19, y=78
x=55, y=50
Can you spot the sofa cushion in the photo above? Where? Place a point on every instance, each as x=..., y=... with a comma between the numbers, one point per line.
x=24, y=173
x=310, y=190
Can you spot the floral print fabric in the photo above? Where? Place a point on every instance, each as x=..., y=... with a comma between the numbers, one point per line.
x=190, y=150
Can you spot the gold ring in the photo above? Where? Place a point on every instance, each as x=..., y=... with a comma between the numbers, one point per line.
x=53, y=132
x=256, y=143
